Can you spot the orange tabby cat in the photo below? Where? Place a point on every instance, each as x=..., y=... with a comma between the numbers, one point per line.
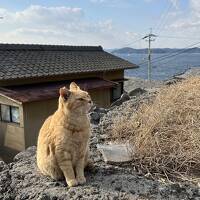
x=62, y=149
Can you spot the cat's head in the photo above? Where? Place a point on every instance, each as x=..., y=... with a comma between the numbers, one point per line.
x=75, y=99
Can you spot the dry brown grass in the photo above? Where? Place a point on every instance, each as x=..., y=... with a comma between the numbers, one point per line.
x=165, y=135
x=121, y=130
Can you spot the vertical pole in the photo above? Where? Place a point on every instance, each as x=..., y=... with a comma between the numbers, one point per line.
x=149, y=38
x=149, y=59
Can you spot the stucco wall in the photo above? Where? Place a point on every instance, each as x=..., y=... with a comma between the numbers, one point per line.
x=101, y=97
x=35, y=114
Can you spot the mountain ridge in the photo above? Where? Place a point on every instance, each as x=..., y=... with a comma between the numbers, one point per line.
x=129, y=50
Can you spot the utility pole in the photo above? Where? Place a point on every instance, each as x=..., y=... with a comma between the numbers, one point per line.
x=150, y=38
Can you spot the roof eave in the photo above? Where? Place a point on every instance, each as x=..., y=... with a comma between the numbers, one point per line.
x=11, y=99
x=63, y=74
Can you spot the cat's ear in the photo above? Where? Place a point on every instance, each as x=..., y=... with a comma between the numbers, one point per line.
x=74, y=86
x=64, y=92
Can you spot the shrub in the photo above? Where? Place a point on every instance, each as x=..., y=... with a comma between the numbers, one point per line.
x=165, y=135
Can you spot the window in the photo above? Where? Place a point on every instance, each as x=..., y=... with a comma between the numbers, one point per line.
x=14, y=114
x=117, y=92
x=10, y=113
x=5, y=113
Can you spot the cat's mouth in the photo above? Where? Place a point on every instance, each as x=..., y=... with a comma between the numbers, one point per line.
x=90, y=110
x=87, y=109
x=91, y=106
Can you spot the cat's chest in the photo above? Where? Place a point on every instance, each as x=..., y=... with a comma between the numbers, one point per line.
x=75, y=138
x=79, y=137
x=77, y=144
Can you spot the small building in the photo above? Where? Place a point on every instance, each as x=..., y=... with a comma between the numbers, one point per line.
x=30, y=78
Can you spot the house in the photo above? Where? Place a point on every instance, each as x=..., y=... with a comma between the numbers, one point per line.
x=31, y=75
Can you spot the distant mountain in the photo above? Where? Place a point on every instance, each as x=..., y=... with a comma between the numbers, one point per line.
x=110, y=50
x=129, y=50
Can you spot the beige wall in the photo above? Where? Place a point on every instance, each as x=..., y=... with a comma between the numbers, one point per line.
x=12, y=134
x=101, y=97
x=35, y=114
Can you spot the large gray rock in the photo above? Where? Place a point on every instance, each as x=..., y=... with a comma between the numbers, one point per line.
x=100, y=110
x=95, y=117
x=136, y=92
x=22, y=180
x=96, y=113
x=124, y=97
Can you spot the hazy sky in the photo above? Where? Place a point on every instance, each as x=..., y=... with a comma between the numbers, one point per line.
x=110, y=23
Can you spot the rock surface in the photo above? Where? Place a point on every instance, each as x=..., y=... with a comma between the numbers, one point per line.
x=96, y=113
x=194, y=71
x=124, y=97
x=134, y=83
x=21, y=180
x=137, y=91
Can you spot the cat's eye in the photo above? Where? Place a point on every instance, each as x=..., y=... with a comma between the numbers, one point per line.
x=81, y=99
x=65, y=97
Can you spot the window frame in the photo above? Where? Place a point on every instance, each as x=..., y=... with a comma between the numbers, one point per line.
x=10, y=112
x=0, y=113
x=3, y=120
x=119, y=84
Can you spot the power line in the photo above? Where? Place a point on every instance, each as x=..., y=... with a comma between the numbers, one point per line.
x=150, y=38
x=134, y=42
x=157, y=27
x=162, y=16
x=128, y=44
x=178, y=54
x=178, y=37
x=172, y=54
x=164, y=19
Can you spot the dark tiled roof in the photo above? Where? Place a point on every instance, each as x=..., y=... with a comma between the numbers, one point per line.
x=19, y=61
x=44, y=91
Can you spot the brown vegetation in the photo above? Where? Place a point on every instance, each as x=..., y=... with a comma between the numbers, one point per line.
x=165, y=135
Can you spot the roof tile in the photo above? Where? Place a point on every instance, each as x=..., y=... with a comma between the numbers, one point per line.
x=26, y=61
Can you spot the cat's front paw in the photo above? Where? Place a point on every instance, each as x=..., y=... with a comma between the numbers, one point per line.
x=81, y=180
x=72, y=183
